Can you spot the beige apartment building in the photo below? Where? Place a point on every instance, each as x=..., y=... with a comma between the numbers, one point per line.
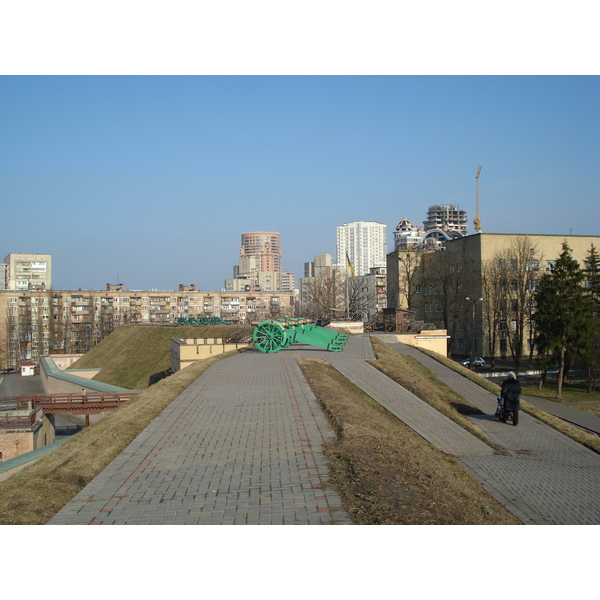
x=28, y=272
x=446, y=287
x=39, y=323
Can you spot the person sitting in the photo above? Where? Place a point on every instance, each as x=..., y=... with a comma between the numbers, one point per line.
x=509, y=394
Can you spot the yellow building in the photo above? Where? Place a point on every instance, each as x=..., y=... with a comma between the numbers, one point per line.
x=448, y=287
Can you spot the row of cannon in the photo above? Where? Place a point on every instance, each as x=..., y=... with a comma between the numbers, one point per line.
x=273, y=335
x=201, y=321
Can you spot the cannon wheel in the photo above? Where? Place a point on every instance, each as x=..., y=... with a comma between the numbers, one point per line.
x=269, y=336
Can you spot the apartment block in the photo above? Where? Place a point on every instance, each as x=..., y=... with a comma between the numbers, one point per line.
x=266, y=246
x=39, y=323
x=28, y=272
x=364, y=243
x=373, y=288
x=259, y=265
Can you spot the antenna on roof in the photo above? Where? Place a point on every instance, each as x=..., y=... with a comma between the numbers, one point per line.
x=477, y=220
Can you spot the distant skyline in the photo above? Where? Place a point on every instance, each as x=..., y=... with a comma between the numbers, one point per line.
x=151, y=181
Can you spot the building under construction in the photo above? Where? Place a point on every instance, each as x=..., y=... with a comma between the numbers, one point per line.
x=446, y=217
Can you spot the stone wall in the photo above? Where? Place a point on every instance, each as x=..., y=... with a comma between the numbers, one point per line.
x=14, y=442
x=186, y=351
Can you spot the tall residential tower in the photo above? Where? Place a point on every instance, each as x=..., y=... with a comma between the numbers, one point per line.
x=364, y=243
x=265, y=246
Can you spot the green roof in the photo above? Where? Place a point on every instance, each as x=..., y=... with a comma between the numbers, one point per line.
x=53, y=371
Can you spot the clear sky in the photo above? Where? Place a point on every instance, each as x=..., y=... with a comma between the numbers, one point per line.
x=150, y=180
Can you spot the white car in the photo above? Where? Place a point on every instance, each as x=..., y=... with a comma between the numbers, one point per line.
x=477, y=362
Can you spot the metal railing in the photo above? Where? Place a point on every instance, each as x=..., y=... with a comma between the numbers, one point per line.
x=18, y=421
x=86, y=403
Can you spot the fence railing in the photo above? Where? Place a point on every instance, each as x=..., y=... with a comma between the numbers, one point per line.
x=68, y=403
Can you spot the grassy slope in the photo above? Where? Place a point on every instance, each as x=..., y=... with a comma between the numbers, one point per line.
x=133, y=356
x=419, y=380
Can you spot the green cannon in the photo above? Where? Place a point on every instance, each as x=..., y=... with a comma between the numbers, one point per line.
x=201, y=321
x=273, y=335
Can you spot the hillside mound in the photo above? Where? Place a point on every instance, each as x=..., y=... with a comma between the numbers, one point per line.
x=136, y=356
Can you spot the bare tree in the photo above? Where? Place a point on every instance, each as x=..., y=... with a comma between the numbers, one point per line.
x=5, y=340
x=519, y=275
x=358, y=301
x=402, y=277
x=493, y=300
x=326, y=295
x=445, y=285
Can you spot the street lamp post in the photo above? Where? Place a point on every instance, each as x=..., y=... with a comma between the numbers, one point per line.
x=473, y=305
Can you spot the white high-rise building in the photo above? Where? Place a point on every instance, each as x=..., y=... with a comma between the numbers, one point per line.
x=364, y=243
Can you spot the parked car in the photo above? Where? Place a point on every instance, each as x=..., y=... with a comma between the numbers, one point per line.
x=477, y=362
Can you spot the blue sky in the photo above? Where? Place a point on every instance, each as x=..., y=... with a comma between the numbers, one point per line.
x=151, y=180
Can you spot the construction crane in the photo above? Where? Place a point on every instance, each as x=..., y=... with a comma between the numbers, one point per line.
x=477, y=220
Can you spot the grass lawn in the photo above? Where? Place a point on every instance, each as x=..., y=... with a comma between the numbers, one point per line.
x=574, y=394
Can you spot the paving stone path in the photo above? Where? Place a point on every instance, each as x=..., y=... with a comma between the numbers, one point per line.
x=243, y=445
x=542, y=477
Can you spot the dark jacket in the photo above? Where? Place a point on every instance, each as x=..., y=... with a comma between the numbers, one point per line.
x=511, y=390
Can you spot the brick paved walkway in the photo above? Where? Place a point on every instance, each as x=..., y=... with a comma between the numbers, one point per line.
x=543, y=477
x=243, y=445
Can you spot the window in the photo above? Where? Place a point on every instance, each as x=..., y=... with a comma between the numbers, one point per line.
x=550, y=265
x=533, y=265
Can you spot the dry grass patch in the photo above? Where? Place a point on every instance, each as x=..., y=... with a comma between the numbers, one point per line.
x=35, y=494
x=386, y=473
x=419, y=380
